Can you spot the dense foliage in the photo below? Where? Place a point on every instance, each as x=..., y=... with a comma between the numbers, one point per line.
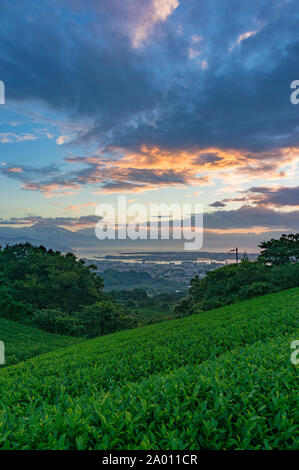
x=23, y=342
x=53, y=291
x=280, y=251
x=149, y=307
x=220, y=380
x=48, y=279
x=237, y=282
x=276, y=268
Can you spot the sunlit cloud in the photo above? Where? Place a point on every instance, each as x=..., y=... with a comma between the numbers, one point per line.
x=63, y=139
x=78, y=207
x=157, y=11
x=14, y=169
x=53, y=189
x=153, y=168
x=248, y=34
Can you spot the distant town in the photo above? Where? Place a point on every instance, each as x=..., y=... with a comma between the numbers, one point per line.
x=159, y=271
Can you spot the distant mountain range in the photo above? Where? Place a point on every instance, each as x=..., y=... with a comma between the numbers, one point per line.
x=49, y=235
x=85, y=243
x=80, y=241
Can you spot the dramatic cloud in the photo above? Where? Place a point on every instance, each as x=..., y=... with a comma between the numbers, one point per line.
x=152, y=168
x=248, y=217
x=279, y=196
x=156, y=94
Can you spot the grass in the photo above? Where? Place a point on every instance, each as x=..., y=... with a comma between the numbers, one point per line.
x=222, y=379
x=23, y=342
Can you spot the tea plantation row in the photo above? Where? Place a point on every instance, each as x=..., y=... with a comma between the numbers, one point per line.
x=222, y=379
x=22, y=342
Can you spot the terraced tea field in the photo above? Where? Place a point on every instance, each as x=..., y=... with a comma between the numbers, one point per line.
x=23, y=342
x=222, y=380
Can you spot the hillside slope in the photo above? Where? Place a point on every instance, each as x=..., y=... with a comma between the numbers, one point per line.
x=221, y=379
x=23, y=342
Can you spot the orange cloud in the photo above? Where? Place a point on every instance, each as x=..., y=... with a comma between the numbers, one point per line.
x=14, y=169
x=52, y=189
x=76, y=208
x=153, y=168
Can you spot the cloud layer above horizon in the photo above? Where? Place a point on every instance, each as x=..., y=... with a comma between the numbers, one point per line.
x=108, y=97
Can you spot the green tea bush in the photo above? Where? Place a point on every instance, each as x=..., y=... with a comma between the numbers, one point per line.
x=219, y=380
x=23, y=342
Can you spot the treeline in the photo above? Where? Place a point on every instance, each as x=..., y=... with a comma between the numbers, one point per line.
x=57, y=292
x=276, y=268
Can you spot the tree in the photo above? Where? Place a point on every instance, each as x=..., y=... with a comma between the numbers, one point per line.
x=47, y=279
x=104, y=317
x=280, y=251
x=57, y=292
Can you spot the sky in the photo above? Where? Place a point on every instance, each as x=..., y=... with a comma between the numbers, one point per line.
x=163, y=101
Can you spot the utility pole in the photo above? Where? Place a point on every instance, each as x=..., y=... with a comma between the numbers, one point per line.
x=235, y=250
